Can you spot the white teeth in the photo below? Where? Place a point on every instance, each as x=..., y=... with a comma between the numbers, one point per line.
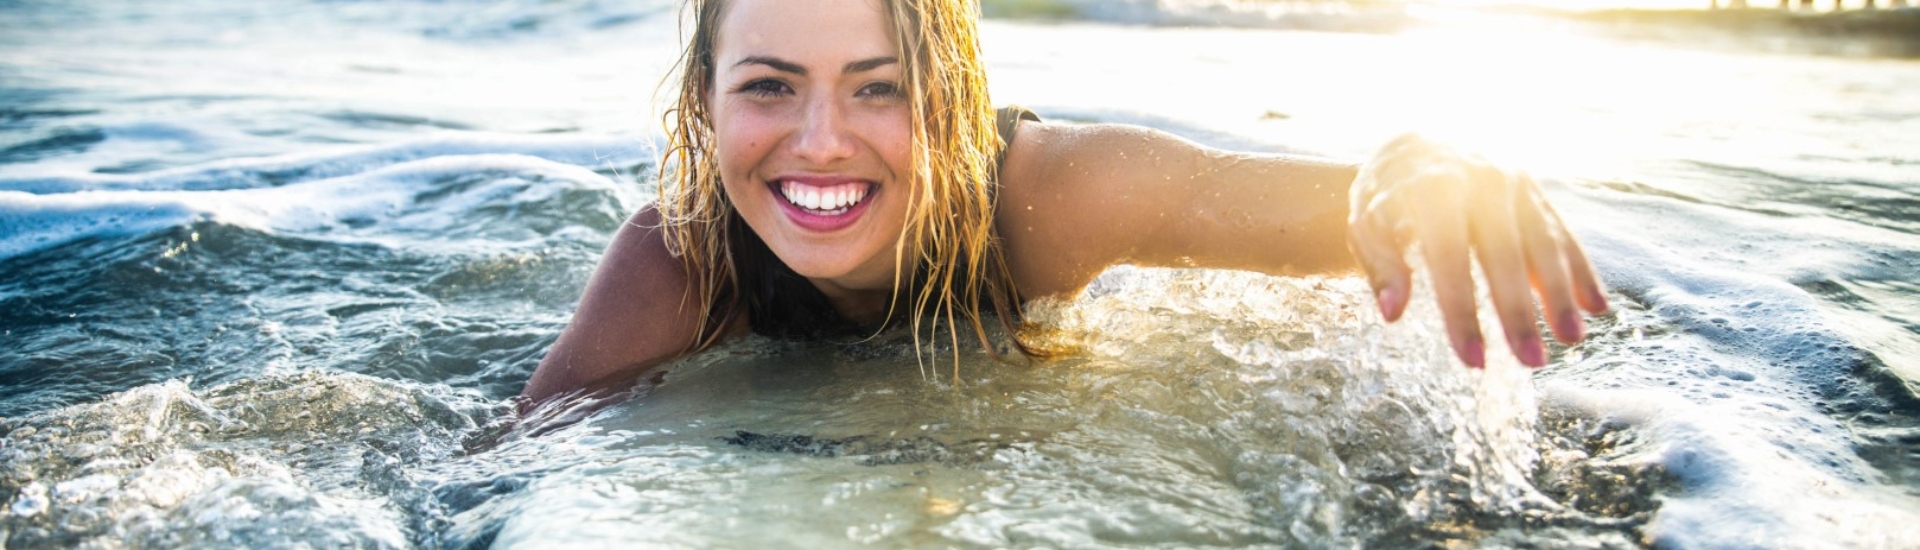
x=829, y=200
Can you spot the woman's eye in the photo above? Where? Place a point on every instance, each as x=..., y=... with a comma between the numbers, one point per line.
x=880, y=89
x=765, y=87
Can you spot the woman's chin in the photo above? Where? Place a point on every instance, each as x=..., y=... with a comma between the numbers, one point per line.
x=843, y=271
x=821, y=267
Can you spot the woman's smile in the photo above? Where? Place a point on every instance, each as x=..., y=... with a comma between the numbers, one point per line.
x=823, y=203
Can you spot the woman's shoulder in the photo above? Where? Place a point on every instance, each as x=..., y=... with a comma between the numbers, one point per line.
x=631, y=317
x=1058, y=156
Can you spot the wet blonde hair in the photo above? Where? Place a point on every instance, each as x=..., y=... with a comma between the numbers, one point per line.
x=949, y=256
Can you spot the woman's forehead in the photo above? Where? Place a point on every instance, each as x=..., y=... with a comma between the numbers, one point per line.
x=804, y=31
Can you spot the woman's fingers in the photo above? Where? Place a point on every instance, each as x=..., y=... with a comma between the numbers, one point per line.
x=1374, y=241
x=1462, y=210
x=1544, y=240
x=1587, y=290
x=1497, y=243
x=1444, y=243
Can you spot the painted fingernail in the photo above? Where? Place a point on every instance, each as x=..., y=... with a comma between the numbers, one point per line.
x=1389, y=298
x=1598, y=299
x=1569, y=329
x=1531, y=352
x=1474, y=352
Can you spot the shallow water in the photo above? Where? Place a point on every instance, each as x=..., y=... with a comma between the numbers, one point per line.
x=270, y=276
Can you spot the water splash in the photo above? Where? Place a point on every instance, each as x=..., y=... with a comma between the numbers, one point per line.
x=1204, y=409
x=280, y=461
x=1379, y=421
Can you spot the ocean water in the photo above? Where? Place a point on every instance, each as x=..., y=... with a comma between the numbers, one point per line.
x=269, y=274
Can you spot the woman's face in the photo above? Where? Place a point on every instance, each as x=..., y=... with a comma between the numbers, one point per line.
x=813, y=134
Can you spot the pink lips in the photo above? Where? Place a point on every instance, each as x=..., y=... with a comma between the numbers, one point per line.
x=826, y=217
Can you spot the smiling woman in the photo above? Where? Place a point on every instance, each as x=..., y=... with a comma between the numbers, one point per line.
x=359, y=230
x=835, y=167
x=804, y=123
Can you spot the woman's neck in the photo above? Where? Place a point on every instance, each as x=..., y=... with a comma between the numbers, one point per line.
x=865, y=295
x=863, y=306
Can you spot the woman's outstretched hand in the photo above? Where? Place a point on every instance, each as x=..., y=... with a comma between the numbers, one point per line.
x=1459, y=208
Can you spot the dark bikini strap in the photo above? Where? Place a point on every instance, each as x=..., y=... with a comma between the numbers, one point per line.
x=1007, y=121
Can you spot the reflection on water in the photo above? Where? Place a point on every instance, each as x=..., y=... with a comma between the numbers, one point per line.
x=1207, y=409
x=264, y=283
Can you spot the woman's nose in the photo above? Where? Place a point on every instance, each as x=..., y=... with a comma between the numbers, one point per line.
x=823, y=138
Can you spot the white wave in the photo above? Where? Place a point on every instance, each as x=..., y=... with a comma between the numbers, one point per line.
x=521, y=17
x=436, y=198
x=1731, y=402
x=598, y=152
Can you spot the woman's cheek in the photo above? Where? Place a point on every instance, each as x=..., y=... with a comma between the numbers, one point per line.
x=895, y=143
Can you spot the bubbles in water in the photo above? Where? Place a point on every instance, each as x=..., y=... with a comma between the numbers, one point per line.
x=303, y=460
x=1340, y=428
x=1203, y=409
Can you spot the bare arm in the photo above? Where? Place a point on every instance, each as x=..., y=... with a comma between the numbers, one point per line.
x=1078, y=199
x=635, y=315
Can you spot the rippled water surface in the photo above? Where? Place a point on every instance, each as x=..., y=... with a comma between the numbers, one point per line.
x=268, y=276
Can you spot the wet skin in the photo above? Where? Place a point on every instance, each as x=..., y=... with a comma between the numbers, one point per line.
x=812, y=141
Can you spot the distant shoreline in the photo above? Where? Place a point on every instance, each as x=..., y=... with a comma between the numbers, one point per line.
x=1867, y=33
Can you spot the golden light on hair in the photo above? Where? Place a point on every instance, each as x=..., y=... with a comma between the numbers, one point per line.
x=955, y=147
x=693, y=208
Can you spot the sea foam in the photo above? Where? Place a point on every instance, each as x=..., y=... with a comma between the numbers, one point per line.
x=1735, y=376
x=434, y=188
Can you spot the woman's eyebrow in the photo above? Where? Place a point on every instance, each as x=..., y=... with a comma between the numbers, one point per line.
x=785, y=66
x=865, y=65
x=774, y=62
